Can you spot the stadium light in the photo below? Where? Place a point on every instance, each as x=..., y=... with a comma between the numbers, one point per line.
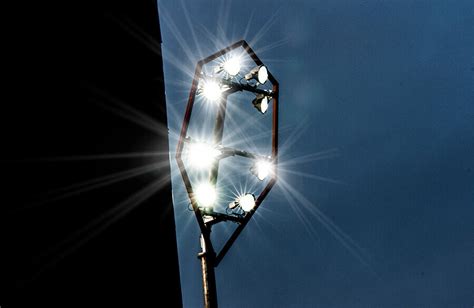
x=206, y=195
x=247, y=202
x=261, y=169
x=211, y=90
x=232, y=66
x=261, y=102
x=259, y=73
x=204, y=157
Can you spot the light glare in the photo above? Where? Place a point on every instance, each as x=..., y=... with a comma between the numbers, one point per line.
x=202, y=155
x=211, y=90
x=206, y=195
x=263, y=169
x=247, y=202
x=232, y=66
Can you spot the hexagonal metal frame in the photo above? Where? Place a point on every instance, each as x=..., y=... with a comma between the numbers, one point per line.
x=204, y=227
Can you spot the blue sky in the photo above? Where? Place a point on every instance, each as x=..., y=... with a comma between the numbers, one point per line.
x=387, y=88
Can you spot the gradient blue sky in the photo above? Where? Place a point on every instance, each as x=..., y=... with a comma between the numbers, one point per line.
x=390, y=85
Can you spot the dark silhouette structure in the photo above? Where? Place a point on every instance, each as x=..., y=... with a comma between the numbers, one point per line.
x=86, y=216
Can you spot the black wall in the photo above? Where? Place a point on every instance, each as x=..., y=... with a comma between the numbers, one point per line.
x=85, y=78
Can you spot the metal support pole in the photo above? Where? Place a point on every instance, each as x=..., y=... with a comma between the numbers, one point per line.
x=207, y=256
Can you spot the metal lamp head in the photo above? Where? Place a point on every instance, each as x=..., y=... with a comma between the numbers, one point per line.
x=246, y=202
x=261, y=102
x=259, y=73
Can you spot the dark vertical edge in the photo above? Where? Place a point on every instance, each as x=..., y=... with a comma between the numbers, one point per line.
x=162, y=103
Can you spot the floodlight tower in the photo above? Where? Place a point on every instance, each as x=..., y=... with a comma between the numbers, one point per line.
x=218, y=87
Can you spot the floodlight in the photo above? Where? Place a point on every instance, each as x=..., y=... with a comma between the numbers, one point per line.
x=247, y=202
x=261, y=102
x=232, y=66
x=202, y=155
x=262, y=169
x=260, y=73
x=205, y=195
x=211, y=90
